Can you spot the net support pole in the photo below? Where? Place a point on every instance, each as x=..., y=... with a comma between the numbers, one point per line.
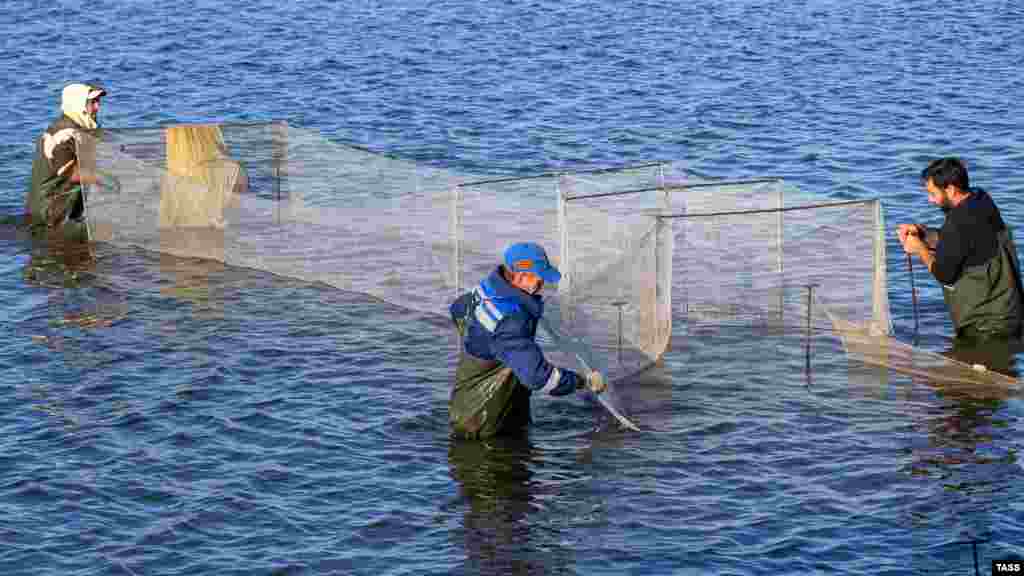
x=456, y=238
x=663, y=265
x=565, y=287
x=974, y=545
x=782, y=270
x=619, y=304
x=913, y=291
x=810, y=304
x=882, y=321
x=279, y=159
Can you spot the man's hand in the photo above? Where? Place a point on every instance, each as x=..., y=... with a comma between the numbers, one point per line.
x=595, y=382
x=912, y=237
x=905, y=230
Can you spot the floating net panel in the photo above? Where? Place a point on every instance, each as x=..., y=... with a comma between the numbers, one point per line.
x=963, y=377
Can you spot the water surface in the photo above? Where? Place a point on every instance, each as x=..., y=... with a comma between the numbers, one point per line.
x=162, y=416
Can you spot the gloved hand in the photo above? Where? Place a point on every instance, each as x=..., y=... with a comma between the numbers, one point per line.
x=595, y=382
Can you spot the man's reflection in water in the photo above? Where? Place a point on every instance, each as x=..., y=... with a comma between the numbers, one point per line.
x=971, y=425
x=970, y=457
x=57, y=263
x=68, y=271
x=502, y=530
x=65, y=302
x=81, y=302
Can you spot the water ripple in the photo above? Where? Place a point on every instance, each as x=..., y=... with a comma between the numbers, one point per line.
x=275, y=427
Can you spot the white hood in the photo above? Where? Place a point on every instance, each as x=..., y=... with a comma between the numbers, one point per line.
x=73, y=101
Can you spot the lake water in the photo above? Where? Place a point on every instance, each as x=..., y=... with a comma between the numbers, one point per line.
x=169, y=417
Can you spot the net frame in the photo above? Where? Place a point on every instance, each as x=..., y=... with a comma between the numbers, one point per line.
x=877, y=321
x=617, y=278
x=441, y=224
x=313, y=207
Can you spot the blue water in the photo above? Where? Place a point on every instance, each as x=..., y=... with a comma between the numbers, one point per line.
x=171, y=417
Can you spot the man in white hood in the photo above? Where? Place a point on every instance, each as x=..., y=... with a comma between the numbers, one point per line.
x=54, y=200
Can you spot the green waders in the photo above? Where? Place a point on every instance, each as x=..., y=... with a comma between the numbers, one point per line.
x=986, y=300
x=53, y=205
x=487, y=399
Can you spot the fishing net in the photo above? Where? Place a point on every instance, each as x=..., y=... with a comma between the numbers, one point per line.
x=289, y=201
x=639, y=247
x=760, y=257
x=283, y=200
x=617, y=277
x=746, y=258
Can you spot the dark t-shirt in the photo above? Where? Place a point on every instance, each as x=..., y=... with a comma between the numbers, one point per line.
x=969, y=237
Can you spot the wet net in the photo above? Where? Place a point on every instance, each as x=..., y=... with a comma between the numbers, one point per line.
x=746, y=257
x=639, y=247
x=763, y=258
x=291, y=202
x=617, y=273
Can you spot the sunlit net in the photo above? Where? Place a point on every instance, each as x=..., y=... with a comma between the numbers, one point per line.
x=639, y=247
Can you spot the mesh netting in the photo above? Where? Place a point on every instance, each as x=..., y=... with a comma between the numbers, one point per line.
x=617, y=285
x=639, y=247
x=884, y=351
x=276, y=198
x=758, y=266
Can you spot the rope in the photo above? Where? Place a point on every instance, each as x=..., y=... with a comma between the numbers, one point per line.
x=769, y=210
x=556, y=174
x=712, y=184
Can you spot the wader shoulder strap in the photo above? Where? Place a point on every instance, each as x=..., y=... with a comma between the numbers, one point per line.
x=490, y=309
x=1007, y=244
x=1009, y=247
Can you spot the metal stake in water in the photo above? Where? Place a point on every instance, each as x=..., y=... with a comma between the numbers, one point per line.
x=913, y=293
x=619, y=304
x=276, y=174
x=810, y=303
x=974, y=543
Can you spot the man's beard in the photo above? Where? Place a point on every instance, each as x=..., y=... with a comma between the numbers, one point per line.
x=946, y=206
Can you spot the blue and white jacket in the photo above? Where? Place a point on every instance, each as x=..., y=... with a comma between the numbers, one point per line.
x=502, y=326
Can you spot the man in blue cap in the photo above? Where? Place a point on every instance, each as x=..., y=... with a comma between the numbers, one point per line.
x=500, y=364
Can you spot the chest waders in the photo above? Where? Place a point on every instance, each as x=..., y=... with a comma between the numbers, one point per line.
x=54, y=204
x=488, y=398
x=986, y=300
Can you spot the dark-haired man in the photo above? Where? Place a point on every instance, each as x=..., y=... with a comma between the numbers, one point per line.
x=973, y=255
x=500, y=363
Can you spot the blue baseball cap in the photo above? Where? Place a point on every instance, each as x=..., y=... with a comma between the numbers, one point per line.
x=529, y=257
